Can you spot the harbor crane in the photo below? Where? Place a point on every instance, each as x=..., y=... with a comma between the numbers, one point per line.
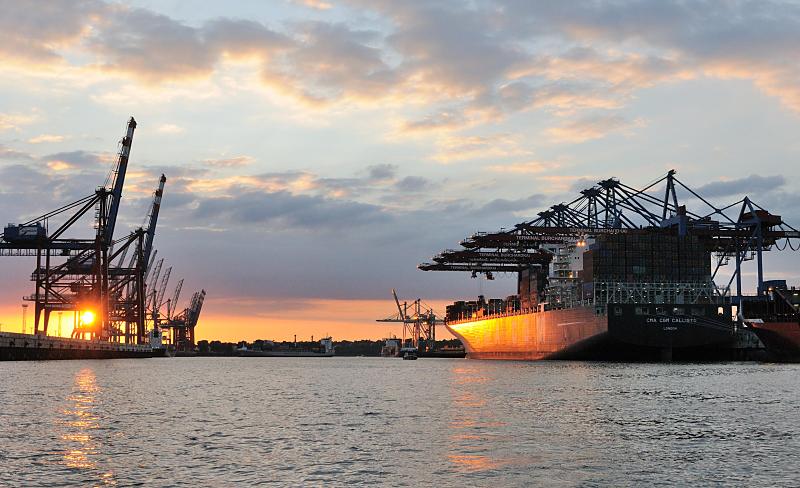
x=741, y=231
x=419, y=321
x=85, y=282
x=183, y=324
x=89, y=276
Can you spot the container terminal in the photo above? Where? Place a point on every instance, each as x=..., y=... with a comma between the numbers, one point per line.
x=621, y=273
x=113, y=288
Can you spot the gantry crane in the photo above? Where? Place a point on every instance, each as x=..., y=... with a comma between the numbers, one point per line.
x=419, y=322
x=88, y=275
x=741, y=231
x=83, y=283
x=184, y=323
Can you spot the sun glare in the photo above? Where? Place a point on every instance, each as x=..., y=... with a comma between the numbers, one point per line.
x=87, y=317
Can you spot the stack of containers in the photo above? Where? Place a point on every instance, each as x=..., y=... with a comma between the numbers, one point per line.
x=647, y=258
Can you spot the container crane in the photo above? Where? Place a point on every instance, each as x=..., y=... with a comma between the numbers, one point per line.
x=84, y=282
x=119, y=173
x=612, y=207
x=419, y=321
x=153, y=218
x=184, y=323
x=172, y=303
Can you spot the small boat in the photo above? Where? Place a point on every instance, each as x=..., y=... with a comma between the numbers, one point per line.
x=410, y=355
x=157, y=344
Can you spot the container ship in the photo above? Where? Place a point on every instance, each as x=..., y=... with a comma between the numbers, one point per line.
x=620, y=274
x=616, y=297
x=267, y=349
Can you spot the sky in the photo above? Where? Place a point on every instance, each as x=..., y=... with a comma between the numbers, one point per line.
x=316, y=151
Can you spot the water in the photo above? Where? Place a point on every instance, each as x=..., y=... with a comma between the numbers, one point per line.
x=372, y=421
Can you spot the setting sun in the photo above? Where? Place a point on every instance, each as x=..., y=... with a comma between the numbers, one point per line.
x=87, y=317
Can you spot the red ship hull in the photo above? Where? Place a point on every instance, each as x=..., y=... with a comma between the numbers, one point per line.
x=782, y=339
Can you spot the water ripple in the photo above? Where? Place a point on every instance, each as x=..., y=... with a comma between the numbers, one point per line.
x=370, y=421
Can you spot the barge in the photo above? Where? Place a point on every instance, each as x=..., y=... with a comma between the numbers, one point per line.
x=27, y=347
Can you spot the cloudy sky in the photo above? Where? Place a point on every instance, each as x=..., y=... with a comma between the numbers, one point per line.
x=317, y=150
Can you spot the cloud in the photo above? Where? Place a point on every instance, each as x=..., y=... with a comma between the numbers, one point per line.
x=170, y=129
x=45, y=138
x=78, y=159
x=524, y=167
x=591, y=127
x=37, y=36
x=453, y=148
x=478, y=61
x=504, y=206
x=283, y=210
x=14, y=121
x=232, y=162
x=332, y=62
x=412, y=184
x=443, y=120
x=748, y=185
x=155, y=48
x=8, y=154
x=379, y=172
x=315, y=4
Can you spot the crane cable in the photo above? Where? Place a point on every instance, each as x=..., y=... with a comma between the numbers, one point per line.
x=788, y=244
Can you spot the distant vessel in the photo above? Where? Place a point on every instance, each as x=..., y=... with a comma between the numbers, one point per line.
x=444, y=352
x=325, y=350
x=157, y=344
x=391, y=348
x=775, y=319
x=409, y=353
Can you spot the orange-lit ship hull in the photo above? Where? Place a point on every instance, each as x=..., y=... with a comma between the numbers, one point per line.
x=581, y=333
x=571, y=333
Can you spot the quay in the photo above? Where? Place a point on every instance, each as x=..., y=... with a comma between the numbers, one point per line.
x=27, y=347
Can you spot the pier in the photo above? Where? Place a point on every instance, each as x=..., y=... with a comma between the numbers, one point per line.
x=26, y=347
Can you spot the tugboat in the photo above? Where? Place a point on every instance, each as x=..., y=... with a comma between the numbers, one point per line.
x=409, y=353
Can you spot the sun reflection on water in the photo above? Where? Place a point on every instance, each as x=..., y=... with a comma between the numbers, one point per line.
x=80, y=420
x=473, y=423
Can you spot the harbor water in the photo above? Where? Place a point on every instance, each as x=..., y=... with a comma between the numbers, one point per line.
x=372, y=421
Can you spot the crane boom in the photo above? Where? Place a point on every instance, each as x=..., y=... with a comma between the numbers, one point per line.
x=119, y=181
x=150, y=264
x=195, y=307
x=152, y=283
x=162, y=289
x=154, y=209
x=173, y=304
x=399, y=308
